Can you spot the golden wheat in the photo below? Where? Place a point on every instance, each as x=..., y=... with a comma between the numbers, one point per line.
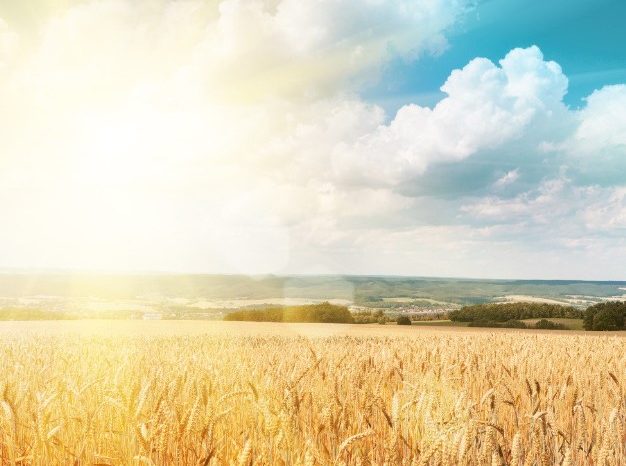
x=429, y=398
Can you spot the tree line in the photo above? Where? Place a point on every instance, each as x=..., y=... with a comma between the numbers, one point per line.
x=26, y=313
x=610, y=315
x=513, y=311
x=322, y=312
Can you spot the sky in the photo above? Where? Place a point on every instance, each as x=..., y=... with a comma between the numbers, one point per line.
x=429, y=137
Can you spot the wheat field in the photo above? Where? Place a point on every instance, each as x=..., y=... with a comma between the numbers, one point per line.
x=378, y=398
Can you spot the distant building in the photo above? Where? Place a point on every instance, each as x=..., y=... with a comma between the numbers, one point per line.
x=152, y=316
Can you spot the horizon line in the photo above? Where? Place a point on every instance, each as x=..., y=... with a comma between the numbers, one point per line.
x=96, y=272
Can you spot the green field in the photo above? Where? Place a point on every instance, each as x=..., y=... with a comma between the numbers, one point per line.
x=439, y=323
x=211, y=297
x=571, y=324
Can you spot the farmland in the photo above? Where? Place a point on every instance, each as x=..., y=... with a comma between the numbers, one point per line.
x=221, y=393
x=66, y=295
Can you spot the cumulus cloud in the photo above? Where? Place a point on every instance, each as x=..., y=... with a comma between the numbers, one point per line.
x=486, y=105
x=602, y=123
x=129, y=124
x=231, y=136
x=237, y=49
x=304, y=27
x=313, y=46
x=539, y=205
x=608, y=211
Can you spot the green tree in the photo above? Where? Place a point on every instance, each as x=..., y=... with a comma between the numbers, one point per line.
x=323, y=312
x=605, y=316
x=502, y=312
x=608, y=319
x=549, y=325
x=403, y=320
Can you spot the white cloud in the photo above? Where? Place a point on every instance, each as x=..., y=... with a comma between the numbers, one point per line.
x=562, y=211
x=328, y=40
x=608, y=212
x=234, y=50
x=508, y=178
x=127, y=124
x=602, y=125
x=486, y=106
x=540, y=205
x=231, y=137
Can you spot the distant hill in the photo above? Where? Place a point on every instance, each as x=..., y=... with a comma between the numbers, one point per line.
x=362, y=290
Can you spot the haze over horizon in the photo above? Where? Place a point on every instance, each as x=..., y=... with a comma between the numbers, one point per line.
x=95, y=273
x=439, y=138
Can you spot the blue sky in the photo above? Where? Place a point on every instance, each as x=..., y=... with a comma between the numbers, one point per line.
x=585, y=37
x=422, y=137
